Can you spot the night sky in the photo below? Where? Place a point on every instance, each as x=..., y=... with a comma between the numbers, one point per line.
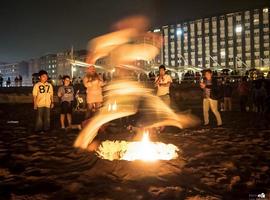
x=32, y=28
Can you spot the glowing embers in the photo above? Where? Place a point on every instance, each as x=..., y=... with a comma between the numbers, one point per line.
x=143, y=150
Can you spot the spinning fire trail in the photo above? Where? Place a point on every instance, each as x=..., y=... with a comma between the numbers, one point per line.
x=123, y=96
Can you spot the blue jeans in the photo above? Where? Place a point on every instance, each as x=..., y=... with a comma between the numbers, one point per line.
x=42, y=119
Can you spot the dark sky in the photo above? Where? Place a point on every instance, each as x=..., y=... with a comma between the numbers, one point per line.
x=31, y=28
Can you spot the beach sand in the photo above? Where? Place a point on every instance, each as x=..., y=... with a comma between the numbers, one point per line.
x=231, y=162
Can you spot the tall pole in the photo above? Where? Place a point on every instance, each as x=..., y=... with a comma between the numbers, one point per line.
x=71, y=57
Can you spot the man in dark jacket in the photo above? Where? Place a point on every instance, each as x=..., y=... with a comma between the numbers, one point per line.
x=243, y=91
x=227, y=91
x=211, y=95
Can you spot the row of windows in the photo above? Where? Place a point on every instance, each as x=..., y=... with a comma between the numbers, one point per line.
x=5, y=71
x=238, y=17
x=215, y=43
x=238, y=30
x=239, y=63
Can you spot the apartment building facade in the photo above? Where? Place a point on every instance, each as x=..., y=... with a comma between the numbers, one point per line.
x=13, y=70
x=237, y=40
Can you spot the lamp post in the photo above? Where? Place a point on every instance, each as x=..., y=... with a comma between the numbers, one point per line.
x=71, y=57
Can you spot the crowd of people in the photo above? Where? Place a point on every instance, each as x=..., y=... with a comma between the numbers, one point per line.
x=218, y=94
x=17, y=81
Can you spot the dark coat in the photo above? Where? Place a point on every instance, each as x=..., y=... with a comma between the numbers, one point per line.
x=215, y=90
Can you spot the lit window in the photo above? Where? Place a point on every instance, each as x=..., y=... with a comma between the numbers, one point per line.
x=179, y=31
x=265, y=10
x=222, y=53
x=256, y=20
x=238, y=29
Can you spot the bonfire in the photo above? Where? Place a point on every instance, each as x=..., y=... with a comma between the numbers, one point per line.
x=144, y=150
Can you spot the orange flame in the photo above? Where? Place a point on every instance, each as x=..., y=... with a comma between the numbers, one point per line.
x=143, y=150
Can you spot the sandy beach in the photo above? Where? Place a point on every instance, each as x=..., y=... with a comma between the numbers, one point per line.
x=231, y=162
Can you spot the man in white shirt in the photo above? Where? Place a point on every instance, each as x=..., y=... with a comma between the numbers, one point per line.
x=43, y=102
x=163, y=82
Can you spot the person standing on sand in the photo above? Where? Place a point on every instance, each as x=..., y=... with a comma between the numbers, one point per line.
x=16, y=81
x=93, y=83
x=1, y=81
x=210, y=98
x=8, y=82
x=43, y=102
x=163, y=82
x=227, y=90
x=243, y=92
x=20, y=80
x=66, y=95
